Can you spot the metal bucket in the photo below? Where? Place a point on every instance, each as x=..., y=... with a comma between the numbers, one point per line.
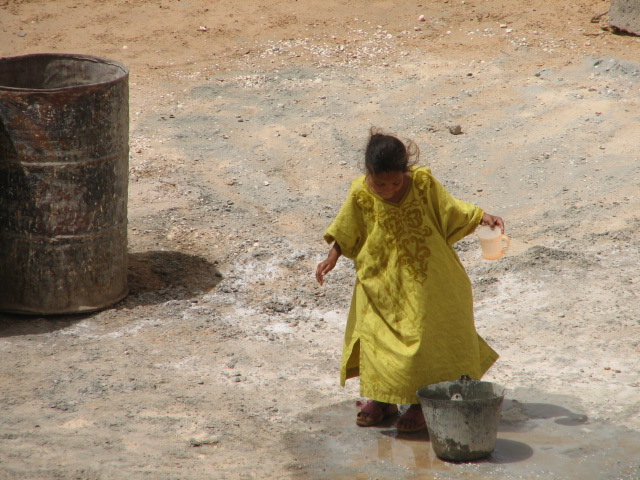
x=462, y=417
x=64, y=167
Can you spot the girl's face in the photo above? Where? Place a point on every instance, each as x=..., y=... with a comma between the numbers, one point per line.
x=387, y=185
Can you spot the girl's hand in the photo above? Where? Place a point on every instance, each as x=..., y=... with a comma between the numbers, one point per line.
x=326, y=266
x=492, y=221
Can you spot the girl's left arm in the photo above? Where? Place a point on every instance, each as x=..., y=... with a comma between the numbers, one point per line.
x=492, y=221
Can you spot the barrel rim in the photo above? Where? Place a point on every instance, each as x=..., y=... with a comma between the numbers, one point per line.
x=77, y=56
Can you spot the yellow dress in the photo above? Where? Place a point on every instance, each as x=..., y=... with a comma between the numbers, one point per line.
x=411, y=318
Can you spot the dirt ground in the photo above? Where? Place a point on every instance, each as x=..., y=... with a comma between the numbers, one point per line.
x=248, y=122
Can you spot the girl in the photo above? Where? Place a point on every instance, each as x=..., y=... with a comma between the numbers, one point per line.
x=411, y=318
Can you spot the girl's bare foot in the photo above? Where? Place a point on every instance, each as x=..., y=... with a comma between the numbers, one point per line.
x=412, y=420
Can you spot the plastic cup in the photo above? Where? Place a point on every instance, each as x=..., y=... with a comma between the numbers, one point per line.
x=493, y=242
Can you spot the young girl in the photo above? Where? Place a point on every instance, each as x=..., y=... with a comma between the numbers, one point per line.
x=411, y=318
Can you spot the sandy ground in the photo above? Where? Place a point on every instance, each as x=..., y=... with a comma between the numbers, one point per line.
x=248, y=121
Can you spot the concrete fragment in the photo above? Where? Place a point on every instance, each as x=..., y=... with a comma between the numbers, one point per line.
x=625, y=15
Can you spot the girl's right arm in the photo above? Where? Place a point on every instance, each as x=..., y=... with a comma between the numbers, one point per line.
x=327, y=265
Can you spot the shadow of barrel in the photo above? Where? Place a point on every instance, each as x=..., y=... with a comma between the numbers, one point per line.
x=154, y=278
x=158, y=276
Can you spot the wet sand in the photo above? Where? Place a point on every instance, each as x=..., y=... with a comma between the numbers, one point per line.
x=535, y=440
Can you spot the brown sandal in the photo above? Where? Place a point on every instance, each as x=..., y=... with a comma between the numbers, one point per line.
x=412, y=420
x=372, y=413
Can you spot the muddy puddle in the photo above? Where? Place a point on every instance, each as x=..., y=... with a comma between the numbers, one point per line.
x=536, y=440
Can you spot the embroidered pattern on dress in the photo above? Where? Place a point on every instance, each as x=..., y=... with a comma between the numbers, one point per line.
x=404, y=227
x=422, y=180
x=406, y=231
x=364, y=201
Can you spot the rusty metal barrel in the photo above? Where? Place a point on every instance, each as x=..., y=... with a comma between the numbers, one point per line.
x=64, y=166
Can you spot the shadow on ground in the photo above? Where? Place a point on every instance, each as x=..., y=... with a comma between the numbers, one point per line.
x=154, y=277
x=15, y=325
x=535, y=440
x=159, y=276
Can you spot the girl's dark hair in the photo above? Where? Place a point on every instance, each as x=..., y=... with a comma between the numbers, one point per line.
x=386, y=153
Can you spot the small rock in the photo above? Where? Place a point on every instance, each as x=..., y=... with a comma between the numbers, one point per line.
x=194, y=442
x=421, y=18
x=455, y=129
